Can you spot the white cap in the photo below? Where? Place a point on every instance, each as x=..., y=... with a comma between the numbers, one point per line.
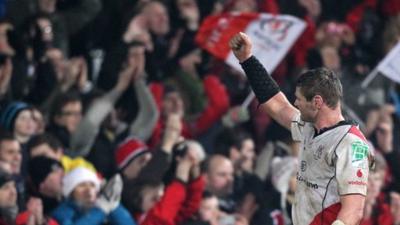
x=78, y=176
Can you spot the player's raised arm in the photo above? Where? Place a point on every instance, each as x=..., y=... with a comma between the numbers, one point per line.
x=265, y=88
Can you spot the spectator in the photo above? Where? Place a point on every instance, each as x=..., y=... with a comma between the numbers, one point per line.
x=83, y=205
x=66, y=22
x=131, y=157
x=34, y=214
x=8, y=199
x=10, y=153
x=119, y=85
x=45, y=182
x=376, y=211
x=283, y=178
x=47, y=145
x=219, y=173
x=131, y=77
x=18, y=119
x=209, y=209
x=238, y=146
x=147, y=177
x=254, y=205
x=170, y=101
x=382, y=137
x=181, y=198
x=151, y=27
x=65, y=117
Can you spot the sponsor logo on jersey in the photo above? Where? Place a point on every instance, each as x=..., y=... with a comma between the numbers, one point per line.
x=306, y=182
x=318, y=153
x=359, y=173
x=359, y=152
x=303, y=166
x=359, y=183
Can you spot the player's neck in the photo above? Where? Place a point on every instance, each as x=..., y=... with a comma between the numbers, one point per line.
x=328, y=118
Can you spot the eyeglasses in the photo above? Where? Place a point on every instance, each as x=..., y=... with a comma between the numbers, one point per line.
x=71, y=113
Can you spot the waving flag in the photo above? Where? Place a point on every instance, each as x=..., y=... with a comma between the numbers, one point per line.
x=272, y=36
x=389, y=67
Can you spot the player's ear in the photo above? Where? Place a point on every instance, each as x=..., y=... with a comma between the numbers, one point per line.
x=318, y=101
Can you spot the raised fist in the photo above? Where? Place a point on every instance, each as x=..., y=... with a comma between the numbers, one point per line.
x=241, y=46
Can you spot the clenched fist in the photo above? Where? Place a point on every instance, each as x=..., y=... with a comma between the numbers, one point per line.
x=241, y=46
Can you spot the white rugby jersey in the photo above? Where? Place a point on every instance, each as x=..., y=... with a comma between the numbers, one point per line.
x=331, y=164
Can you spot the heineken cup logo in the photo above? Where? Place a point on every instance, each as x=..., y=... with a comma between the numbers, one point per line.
x=359, y=151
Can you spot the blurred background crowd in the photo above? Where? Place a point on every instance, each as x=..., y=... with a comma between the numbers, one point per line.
x=111, y=114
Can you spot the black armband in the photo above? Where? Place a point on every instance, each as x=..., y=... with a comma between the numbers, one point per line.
x=263, y=85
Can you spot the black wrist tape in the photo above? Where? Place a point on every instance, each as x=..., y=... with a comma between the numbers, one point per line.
x=263, y=85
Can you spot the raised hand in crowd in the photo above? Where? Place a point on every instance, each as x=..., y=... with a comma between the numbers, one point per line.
x=348, y=35
x=137, y=30
x=110, y=196
x=196, y=154
x=184, y=167
x=82, y=81
x=5, y=75
x=5, y=47
x=172, y=132
x=137, y=59
x=125, y=78
x=133, y=70
x=57, y=59
x=313, y=7
x=335, y=34
x=74, y=74
x=35, y=208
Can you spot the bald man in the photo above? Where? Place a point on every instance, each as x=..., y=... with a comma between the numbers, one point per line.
x=219, y=179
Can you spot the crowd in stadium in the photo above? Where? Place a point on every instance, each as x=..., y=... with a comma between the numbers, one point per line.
x=111, y=113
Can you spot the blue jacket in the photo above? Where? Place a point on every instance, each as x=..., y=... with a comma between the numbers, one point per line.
x=68, y=213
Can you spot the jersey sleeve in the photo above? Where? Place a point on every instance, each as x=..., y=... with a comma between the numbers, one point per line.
x=352, y=165
x=297, y=127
